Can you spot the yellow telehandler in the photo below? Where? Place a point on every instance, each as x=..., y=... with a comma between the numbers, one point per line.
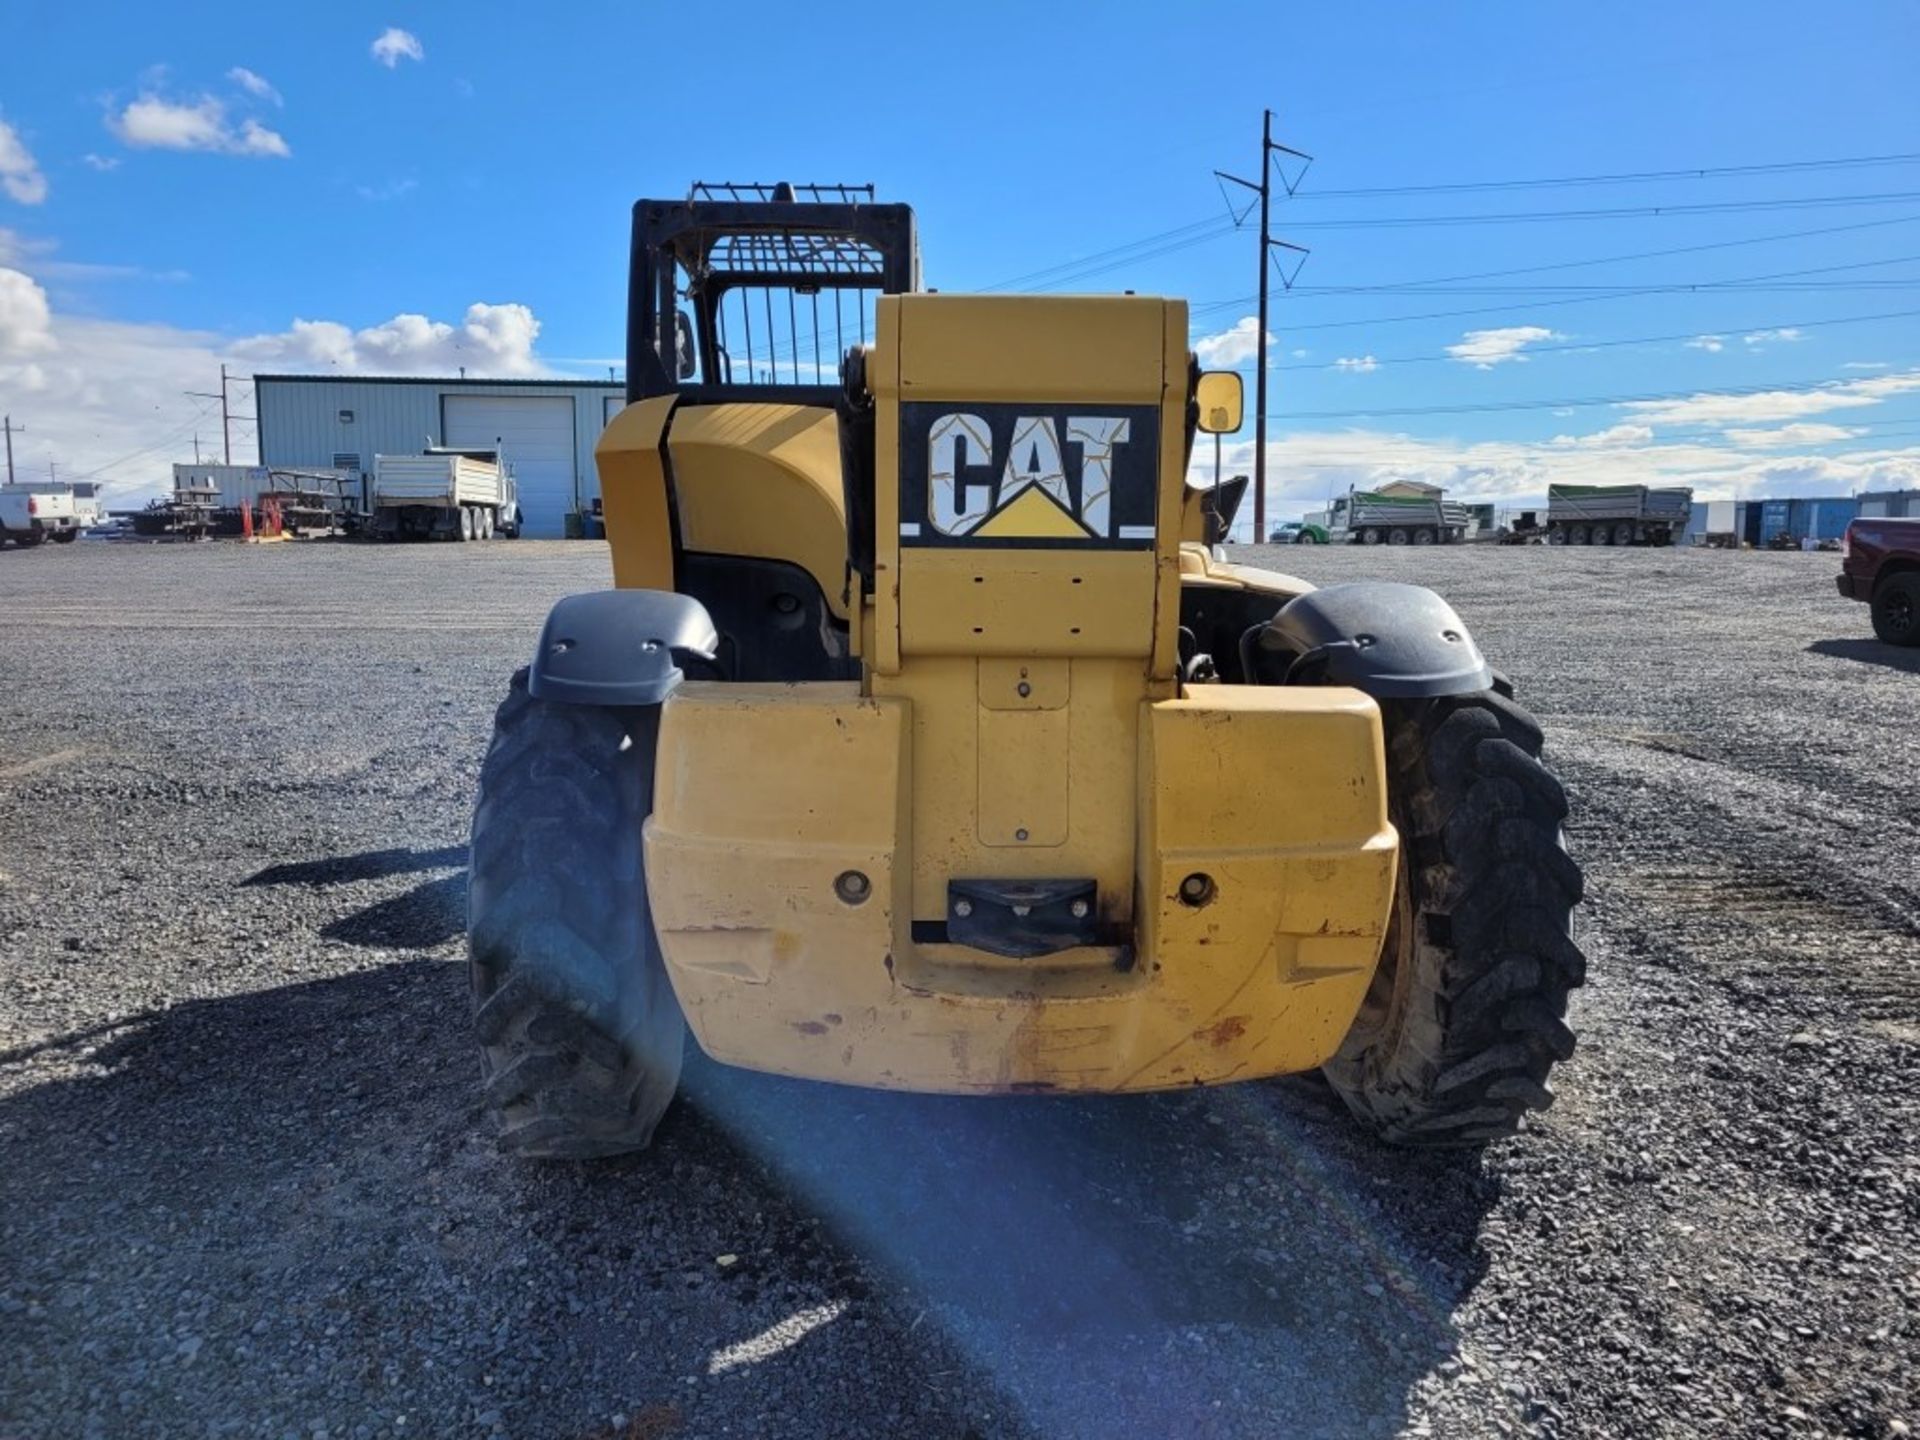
x=927, y=741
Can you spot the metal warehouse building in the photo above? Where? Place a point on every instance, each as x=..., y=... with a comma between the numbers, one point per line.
x=547, y=429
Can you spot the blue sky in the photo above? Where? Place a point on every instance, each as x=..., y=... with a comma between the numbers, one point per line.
x=273, y=186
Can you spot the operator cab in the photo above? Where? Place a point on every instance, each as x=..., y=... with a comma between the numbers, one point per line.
x=756, y=292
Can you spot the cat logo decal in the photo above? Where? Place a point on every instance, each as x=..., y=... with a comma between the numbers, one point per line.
x=1068, y=475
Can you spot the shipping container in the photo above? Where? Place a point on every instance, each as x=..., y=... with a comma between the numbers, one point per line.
x=1893, y=504
x=1774, y=518
x=1824, y=519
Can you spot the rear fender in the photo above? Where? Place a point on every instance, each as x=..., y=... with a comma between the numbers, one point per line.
x=1393, y=641
x=621, y=647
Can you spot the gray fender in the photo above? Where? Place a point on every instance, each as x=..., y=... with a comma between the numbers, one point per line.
x=1396, y=642
x=621, y=647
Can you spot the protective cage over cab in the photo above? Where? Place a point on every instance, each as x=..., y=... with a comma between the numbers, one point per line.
x=741, y=290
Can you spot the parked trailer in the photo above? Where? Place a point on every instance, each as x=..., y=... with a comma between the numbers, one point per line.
x=444, y=493
x=1616, y=514
x=33, y=512
x=1366, y=517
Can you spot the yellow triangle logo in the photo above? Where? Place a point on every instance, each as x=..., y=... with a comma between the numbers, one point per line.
x=1032, y=517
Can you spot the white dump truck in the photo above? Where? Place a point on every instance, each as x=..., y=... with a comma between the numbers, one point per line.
x=443, y=493
x=32, y=512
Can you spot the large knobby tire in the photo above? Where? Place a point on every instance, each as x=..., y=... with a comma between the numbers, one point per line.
x=580, y=1034
x=1896, y=609
x=1467, y=1012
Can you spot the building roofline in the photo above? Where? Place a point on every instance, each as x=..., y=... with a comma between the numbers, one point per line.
x=551, y=383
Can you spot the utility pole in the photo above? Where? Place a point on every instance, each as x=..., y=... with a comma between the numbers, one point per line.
x=226, y=416
x=12, y=430
x=53, y=471
x=1267, y=244
x=1260, y=375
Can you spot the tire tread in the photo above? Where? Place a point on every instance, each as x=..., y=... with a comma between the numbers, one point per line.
x=1462, y=1043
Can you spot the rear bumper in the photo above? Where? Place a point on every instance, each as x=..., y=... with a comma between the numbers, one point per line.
x=766, y=795
x=1854, y=587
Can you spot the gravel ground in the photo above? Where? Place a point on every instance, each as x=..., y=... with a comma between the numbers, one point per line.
x=245, y=1187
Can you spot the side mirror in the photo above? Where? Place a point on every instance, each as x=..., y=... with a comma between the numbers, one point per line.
x=1219, y=396
x=684, y=365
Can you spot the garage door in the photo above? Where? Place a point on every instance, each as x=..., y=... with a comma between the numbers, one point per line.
x=536, y=432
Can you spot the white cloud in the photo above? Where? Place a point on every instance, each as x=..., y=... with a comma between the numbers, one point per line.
x=395, y=45
x=154, y=123
x=1361, y=364
x=1300, y=354
x=1612, y=438
x=20, y=173
x=491, y=340
x=392, y=190
x=1484, y=349
x=256, y=139
x=1769, y=406
x=107, y=399
x=1864, y=365
x=26, y=320
x=1785, y=336
x=101, y=162
x=254, y=84
x=1712, y=344
x=35, y=256
x=1233, y=346
x=1797, y=434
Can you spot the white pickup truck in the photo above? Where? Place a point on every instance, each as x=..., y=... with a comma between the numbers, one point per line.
x=30, y=513
x=443, y=493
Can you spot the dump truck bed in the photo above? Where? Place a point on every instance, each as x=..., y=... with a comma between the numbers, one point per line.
x=1590, y=503
x=435, y=480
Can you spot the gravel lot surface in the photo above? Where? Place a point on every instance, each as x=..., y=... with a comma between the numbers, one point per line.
x=246, y=1189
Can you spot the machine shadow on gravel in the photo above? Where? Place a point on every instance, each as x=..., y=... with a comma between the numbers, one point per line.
x=366, y=865
x=430, y=914
x=1869, y=652
x=1083, y=1230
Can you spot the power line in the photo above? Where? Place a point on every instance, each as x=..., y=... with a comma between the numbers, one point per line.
x=1897, y=283
x=1707, y=172
x=1155, y=254
x=1625, y=212
x=1684, y=335
x=1310, y=291
x=1212, y=225
x=171, y=437
x=1784, y=387
x=1705, y=287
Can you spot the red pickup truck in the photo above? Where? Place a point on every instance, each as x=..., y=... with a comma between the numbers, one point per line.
x=1880, y=564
